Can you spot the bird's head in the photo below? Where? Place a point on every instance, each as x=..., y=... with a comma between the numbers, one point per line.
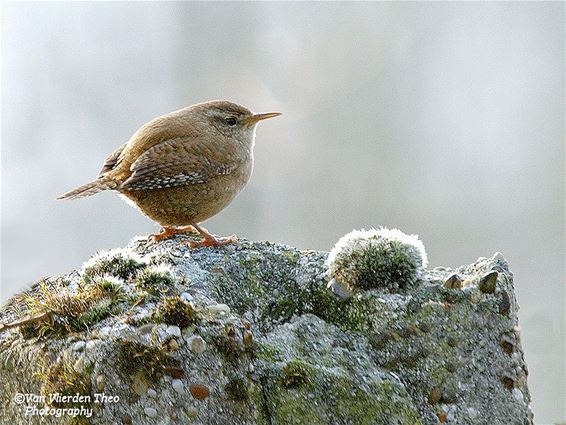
x=230, y=119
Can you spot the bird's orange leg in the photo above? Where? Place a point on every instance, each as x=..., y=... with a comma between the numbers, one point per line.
x=168, y=232
x=210, y=240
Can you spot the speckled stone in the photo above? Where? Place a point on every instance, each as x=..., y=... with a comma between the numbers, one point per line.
x=186, y=297
x=196, y=344
x=178, y=386
x=150, y=412
x=280, y=348
x=79, y=346
x=146, y=329
x=218, y=309
x=100, y=382
x=192, y=412
x=173, y=330
x=199, y=391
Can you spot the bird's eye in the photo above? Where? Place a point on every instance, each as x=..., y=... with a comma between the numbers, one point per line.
x=230, y=121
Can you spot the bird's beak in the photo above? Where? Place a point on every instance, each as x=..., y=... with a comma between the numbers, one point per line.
x=258, y=117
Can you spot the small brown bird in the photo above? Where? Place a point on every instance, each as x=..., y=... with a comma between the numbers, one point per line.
x=184, y=167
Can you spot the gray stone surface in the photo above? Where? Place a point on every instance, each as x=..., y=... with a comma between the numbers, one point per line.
x=280, y=347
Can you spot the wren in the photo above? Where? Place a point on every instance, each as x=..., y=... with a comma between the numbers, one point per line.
x=184, y=167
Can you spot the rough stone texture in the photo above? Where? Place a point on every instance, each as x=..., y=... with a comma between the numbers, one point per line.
x=277, y=347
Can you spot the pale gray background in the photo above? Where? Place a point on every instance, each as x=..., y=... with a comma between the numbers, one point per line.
x=442, y=119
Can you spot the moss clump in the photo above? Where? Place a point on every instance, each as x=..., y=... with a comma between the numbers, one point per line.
x=383, y=258
x=295, y=374
x=237, y=389
x=231, y=342
x=155, y=279
x=175, y=311
x=66, y=311
x=116, y=262
x=228, y=346
x=62, y=378
x=135, y=358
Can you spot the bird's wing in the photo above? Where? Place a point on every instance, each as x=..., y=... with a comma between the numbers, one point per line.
x=111, y=161
x=179, y=162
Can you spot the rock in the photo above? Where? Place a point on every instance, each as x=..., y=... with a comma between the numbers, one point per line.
x=79, y=346
x=140, y=383
x=192, y=411
x=435, y=395
x=339, y=289
x=178, y=386
x=91, y=344
x=198, y=391
x=171, y=345
x=280, y=348
x=453, y=282
x=173, y=330
x=196, y=344
x=504, y=304
x=185, y=296
x=488, y=282
x=150, y=412
x=100, y=382
x=146, y=329
x=218, y=309
x=518, y=394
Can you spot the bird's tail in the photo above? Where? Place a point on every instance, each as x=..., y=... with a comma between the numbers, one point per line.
x=102, y=183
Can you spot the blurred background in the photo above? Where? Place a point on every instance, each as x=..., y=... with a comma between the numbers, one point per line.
x=442, y=119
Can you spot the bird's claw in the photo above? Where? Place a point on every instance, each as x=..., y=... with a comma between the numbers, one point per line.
x=169, y=232
x=212, y=241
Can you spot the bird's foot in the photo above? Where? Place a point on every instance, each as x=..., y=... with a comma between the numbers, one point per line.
x=212, y=241
x=168, y=232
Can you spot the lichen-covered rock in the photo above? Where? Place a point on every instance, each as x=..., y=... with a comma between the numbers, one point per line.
x=249, y=334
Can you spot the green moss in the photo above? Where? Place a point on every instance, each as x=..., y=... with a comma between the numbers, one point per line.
x=439, y=375
x=283, y=307
x=285, y=299
x=137, y=298
x=175, y=311
x=155, y=279
x=117, y=263
x=295, y=374
x=72, y=312
x=97, y=312
x=62, y=378
x=291, y=256
x=325, y=396
x=266, y=281
x=228, y=346
x=383, y=258
x=355, y=314
x=389, y=266
x=138, y=321
x=135, y=358
x=378, y=405
x=251, y=292
x=267, y=352
x=237, y=389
